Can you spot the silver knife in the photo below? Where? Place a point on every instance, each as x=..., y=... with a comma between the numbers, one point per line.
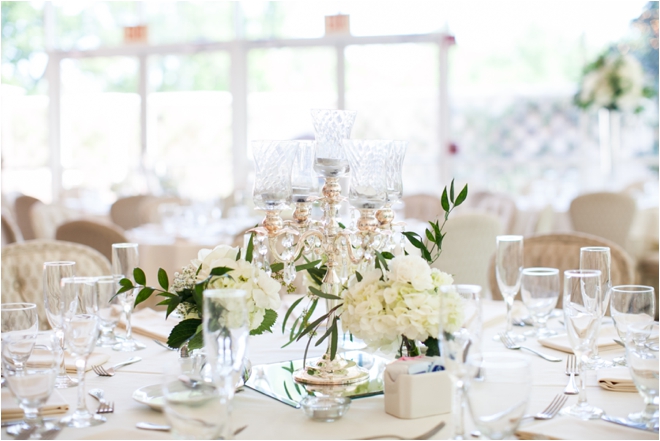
x=625, y=422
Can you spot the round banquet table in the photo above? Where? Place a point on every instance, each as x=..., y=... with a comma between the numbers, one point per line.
x=267, y=418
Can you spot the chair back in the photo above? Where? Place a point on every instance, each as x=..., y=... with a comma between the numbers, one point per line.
x=498, y=204
x=562, y=251
x=22, y=207
x=22, y=269
x=424, y=207
x=47, y=217
x=10, y=231
x=149, y=209
x=605, y=214
x=97, y=235
x=125, y=212
x=467, y=247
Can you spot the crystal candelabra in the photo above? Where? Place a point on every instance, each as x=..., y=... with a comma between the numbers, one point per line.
x=287, y=172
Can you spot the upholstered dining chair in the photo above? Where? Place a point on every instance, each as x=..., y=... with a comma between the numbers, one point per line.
x=97, y=235
x=604, y=214
x=10, y=231
x=126, y=212
x=424, y=207
x=47, y=217
x=467, y=247
x=562, y=251
x=22, y=269
x=22, y=208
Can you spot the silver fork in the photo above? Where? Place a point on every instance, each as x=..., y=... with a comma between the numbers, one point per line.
x=102, y=372
x=510, y=344
x=572, y=370
x=553, y=408
x=104, y=406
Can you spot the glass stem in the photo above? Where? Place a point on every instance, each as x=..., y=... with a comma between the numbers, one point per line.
x=129, y=330
x=459, y=429
x=33, y=416
x=509, y=313
x=582, y=397
x=60, y=336
x=80, y=369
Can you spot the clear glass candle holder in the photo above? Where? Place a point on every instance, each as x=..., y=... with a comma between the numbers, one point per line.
x=272, y=182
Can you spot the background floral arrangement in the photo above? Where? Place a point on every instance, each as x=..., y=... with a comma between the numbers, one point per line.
x=614, y=81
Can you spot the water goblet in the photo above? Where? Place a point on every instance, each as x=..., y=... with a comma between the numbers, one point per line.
x=33, y=384
x=507, y=377
x=460, y=336
x=54, y=303
x=508, y=271
x=124, y=261
x=631, y=304
x=19, y=331
x=540, y=292
x=598, y=258
x=109, y=309
x=81, y=330
x=582, y=311
x=643, y=363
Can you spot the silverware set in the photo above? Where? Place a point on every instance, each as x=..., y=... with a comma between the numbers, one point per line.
x=510, y=344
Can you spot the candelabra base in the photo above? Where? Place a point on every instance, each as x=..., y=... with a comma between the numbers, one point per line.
x=328, y=372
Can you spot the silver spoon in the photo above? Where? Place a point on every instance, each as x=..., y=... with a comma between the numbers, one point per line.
x=165, y=428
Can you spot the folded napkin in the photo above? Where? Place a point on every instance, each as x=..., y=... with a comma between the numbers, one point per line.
x=10, y=410
x=560, y=342
x=40, y=358
x=566, y=427
x=152, y=324
x=616, y=379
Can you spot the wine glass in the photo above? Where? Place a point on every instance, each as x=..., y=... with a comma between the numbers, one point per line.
x=630, y=304
x=54, y=303
x=540, y=292
x=460, y=336
x=582, y=311
x=19, y=330
x=124, y=261
x=81, y=330
x=109, y=309
x=508, y=270
x=34, y=383
x=598, y=258
x=507, y=377
x=643, y=363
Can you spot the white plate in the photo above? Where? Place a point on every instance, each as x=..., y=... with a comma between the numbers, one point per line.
x=152, y=396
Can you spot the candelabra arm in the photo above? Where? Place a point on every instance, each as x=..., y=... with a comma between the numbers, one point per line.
x=272, y=242
x=349, y=248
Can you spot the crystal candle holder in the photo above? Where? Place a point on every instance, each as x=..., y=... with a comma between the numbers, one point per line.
x=272, y=183
x=331, y=128
x=368, y=183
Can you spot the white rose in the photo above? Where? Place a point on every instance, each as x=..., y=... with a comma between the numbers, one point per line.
x=413, y=270
x=222, y=255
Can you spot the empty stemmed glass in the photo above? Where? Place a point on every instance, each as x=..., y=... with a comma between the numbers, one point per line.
x=19, y=331
x=540, y=292
x=631, y=304
x=124, y=261
x=582, y=311
x=460, y=336
x=33, y=384
x=642, y=361
x=598, y=258
x=54, y=302
x=81, y=330
x=508, y=270
x=109, y=309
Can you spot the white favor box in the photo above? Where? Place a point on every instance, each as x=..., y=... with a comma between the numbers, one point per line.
x=419, y=395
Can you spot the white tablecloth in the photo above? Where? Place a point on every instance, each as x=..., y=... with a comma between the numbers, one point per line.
x=269, y=419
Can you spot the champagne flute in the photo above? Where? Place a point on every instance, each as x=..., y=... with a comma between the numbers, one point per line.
x=642, y=361
x=109, y=309
x=124, y=261
x=540, y=292
x=33, y=384
x=630, y=304
x=508, y=270
x=582, y=312
x=598, y=258
x=19, y=328
x=54, y=303
x=460, y=336
x=81, y=330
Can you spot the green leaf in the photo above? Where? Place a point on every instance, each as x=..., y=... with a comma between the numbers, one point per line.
x=238, y=255
x=169, y=295
x=139, y=276
x=289, y=311
x=197, y=341
x=122, y=290
x=163, y=281
x=445, y=200
x=335, y=337
x=163, y=302
x=429, y=236
x=324, y=336
x=286, y=391
x=461, y=196
x=313, y=326
x=126, y=283
x=182, y=332
x=387, y=255
x=319, y=293
x=342, y=226
x=172, y=306
x=220, y=271
x=266, y=324
x=426, y=255
x=198, y=295
x=306, y=266
x=451, y=192
x=250, y=249
x=436, y=230
x=413, y=239
x=358, y=276
x=382, y=260
x=432, y=347
x=276, y=267
x=143, y=295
